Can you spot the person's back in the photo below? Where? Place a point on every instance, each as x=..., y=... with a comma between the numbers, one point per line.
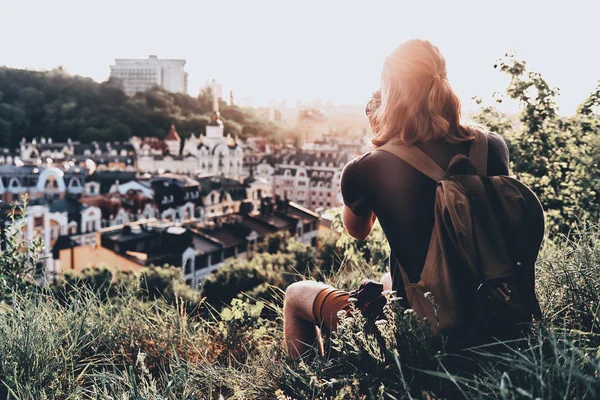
x=403, y=198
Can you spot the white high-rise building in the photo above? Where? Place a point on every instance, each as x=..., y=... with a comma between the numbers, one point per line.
x=137, y=75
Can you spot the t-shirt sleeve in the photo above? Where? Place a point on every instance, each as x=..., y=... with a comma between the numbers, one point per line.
x=355, y=188
x=498, y=157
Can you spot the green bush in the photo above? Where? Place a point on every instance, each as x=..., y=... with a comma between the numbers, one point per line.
x=20, y=264
x=555, y=156
x=152, y=283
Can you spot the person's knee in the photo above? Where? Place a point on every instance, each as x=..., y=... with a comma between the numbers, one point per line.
x=386, y=281
x=293, y=295
x=299, y=298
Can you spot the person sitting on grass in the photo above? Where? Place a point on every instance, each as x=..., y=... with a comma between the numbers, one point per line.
x=416, y=106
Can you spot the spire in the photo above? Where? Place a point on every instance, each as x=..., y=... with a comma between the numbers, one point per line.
x=172, y=135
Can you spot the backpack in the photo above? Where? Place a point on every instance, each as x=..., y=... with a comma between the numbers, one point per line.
x=481, y=258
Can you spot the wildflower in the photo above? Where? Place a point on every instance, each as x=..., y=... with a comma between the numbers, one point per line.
x=409, y=311
x=352, y=300
x=427, y=295
x=388, y=292
x=341, y=314
x=380, y=322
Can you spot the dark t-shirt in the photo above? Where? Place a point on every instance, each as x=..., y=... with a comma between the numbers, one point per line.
x=403, y=199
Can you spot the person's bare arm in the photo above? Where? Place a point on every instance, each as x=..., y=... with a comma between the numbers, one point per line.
x=358, y=227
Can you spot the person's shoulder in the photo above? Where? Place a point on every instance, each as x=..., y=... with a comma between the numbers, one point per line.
x=497, y=145
x=498, y=157
x=370, y=162
x=496, y=142
x=359, y=162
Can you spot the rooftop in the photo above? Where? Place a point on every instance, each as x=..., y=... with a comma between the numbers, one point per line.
x=172, y=135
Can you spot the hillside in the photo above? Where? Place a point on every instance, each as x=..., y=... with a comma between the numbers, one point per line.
x=56, y=105
x=150, y=337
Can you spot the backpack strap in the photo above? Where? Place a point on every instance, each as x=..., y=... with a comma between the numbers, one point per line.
x=416, y=158
x=478, y=152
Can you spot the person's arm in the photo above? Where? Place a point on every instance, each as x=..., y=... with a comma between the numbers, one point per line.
x=357, y=214
x=357, y=226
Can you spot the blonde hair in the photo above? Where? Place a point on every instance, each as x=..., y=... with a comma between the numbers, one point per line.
x=417, y=101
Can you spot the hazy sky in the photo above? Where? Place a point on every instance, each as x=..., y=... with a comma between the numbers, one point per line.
x=307, y=49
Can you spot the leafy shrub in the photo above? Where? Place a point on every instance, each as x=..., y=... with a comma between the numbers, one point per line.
x=553, y=155
x=20, y=264
x=150, y=284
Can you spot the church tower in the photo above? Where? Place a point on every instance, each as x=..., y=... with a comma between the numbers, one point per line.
x=173, y=141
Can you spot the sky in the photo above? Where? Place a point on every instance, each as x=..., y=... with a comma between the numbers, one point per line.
x=302, y=50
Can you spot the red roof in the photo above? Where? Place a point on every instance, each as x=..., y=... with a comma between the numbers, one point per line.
x=172, y=135
x=154, y=143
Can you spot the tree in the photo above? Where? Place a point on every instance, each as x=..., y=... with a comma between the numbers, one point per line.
x=59, y=106
x=553, y=155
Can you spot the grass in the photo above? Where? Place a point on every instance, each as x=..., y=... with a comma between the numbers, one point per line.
x=127, y=346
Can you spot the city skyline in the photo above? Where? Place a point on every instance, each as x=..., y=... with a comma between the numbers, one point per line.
x=294, y=51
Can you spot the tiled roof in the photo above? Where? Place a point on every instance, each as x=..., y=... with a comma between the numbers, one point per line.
x=182, y=179
x=68, y=205
x=108, y=178
x=308, y=158
x=235, y=188
x=225, y=234
x=108, y=205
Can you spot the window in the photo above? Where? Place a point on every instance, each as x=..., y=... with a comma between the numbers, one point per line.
x=38, y=222
x=54, y=232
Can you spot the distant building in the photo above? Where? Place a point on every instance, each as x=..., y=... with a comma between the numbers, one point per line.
x=138, y=75
x=40, y=181
x=197, y=247
x=311, y=179
x=51, y=219
x=104, y=156
x=311, y=126
x=268, y=113
x=211, y=154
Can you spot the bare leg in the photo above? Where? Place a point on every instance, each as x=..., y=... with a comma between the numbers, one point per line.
x=386, y=281
x=300, y=330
